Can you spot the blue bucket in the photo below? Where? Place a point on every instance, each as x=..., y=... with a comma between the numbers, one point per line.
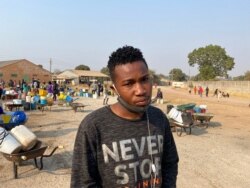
x=69, y=99
x=197, y=109
x=43, y=101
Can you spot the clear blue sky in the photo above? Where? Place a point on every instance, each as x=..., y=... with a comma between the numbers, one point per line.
x=86, y=32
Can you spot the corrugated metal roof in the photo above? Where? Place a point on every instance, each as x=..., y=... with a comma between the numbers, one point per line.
x=89, y=73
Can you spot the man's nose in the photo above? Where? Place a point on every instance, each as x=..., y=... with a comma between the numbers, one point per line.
x=140, y=89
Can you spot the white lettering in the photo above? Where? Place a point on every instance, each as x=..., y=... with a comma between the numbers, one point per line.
x=146, y=164
x=125, y=149
x=141, y=149
x=123, y=175
x=106, y=151
x=134, y=166
x=151, y=145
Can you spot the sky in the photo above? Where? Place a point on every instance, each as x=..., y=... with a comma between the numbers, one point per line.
x=71, y=33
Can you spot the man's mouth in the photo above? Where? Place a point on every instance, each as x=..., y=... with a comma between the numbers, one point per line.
x=142, y=102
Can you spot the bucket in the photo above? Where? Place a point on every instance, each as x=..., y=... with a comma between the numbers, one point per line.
x=26, y=137
x=42, y=92
x=36, y=99
x=43, y=101
x=69, y=99
x=28, y=98
x=6, y=118
x=95, y=96
x=8, y=143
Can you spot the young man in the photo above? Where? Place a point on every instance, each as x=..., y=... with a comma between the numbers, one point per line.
x=129, y=143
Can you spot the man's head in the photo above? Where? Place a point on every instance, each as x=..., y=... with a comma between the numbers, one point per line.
x=124, y=55
x=129, y=73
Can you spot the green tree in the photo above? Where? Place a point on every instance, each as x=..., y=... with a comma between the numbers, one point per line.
x=82, y=67
x=212, y=61
x=155, y=78
x=247, y=76
x=105, y=70
x=177, y=75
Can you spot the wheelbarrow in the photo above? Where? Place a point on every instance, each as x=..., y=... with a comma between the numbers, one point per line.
x=77, y=105
x=37, y=151
x=204, y=118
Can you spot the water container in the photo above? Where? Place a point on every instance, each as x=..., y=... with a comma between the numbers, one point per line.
x=17, y=101
x=8, y=143
x=25, y=136
x=95, y=96
x=28, y=98
x=43, y=101
x=42, y=92
x=6, y=118
x=176, y=115
x=36, y=99
x=69, y=99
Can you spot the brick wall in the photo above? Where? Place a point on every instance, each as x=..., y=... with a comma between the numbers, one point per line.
x=24, y=69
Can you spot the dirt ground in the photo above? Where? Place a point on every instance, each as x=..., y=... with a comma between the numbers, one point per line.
x=213, y=157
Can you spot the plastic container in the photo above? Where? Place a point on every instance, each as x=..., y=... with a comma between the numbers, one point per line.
x=28, y=98
x=25, y=136
x=6, y=118
x=42, y=92
x=69, y=99
x=8, y=143
x=175, y=115
x=17, y=101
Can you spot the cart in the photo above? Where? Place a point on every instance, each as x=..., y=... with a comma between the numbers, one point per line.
x=37, y=151
x=186, y=126
x=203, y=118
x=75, y=106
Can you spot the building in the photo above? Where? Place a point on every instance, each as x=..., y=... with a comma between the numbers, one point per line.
x=17, y=70
x=81, y=76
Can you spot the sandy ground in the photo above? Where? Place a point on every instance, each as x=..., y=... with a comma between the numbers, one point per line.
x=217, y=156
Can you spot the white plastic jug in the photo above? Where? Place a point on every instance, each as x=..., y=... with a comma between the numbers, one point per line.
x=25, y=136
x=8, y=143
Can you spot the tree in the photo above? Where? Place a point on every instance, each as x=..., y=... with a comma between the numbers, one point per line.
x=177, y=75
x=57, y=71
x=82, y=67
x=105, y=70
x=212, y=61
x=247, y=76
x=155, y=78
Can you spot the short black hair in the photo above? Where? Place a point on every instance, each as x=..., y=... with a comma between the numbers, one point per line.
x=124, y=55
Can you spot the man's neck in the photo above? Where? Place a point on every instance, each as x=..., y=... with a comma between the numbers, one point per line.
x=122, y=112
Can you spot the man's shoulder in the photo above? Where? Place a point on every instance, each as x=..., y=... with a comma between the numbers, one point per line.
x=98, y=114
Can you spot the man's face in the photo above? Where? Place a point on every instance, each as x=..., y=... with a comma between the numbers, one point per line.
x=133, y=83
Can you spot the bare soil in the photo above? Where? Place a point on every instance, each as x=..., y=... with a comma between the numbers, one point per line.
x=213, y=157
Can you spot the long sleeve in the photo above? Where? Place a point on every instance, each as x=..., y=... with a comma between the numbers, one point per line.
x=84, y=165
x=169, y=161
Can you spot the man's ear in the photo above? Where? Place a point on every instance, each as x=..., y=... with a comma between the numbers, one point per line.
x=114, y=89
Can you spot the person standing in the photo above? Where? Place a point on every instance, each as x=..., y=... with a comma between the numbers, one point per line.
x=200, y=91
x=195, y=90
x=129, y=143
x=159, y=96
x=207, y=91
x=106, y=96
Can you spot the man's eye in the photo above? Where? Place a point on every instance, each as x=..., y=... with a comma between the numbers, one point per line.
x=145, y=79
x=128, y=84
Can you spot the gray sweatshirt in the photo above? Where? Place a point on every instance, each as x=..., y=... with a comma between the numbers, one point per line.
x=111, y=151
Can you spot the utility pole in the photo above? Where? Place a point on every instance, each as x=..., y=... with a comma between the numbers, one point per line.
x=50, y=65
